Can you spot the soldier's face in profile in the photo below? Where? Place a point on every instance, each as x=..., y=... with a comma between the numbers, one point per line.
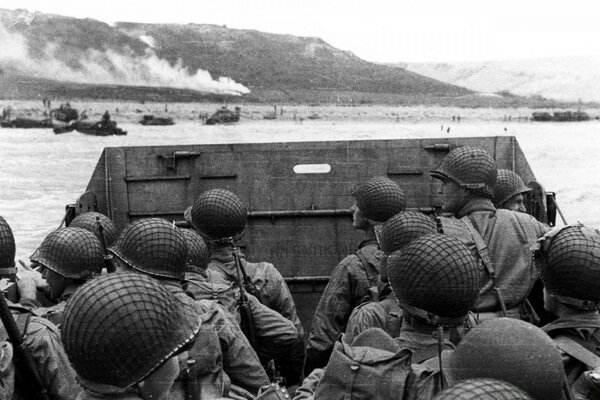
x=56, y=283
x=358, y=219
x=515, y=203
x=453, y=196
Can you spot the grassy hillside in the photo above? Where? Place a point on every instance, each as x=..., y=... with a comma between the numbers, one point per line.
x=68, y=58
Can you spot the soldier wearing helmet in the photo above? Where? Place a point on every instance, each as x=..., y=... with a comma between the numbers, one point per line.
x=89, y=221
x=568, y=259
x=509, y=191
x=7, y=251
x=436, y=280
x=275, y=335
x=156, y=248
x=40, y=337
x=68, y=257
x=220, y=217
x=385, y=313
x=512, y=351
x=501, y=238
x=119, y=334
x=357, y=275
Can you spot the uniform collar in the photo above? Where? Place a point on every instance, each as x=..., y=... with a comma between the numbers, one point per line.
x=368, y=242
x=476, y=204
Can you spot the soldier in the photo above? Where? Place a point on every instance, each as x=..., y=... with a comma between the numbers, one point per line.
x=273, y=335
x=155, y=247
x=356, y=276
x=436, y=279
x=69, y=257
x=512, y=351
x=502, y=238
x=509, y=191
x=396, y=233
x=220, y=216
x=569, y=265
x=41, y=339
x=89, y=221
x=125, y=335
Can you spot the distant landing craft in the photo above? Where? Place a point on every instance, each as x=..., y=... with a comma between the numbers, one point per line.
x=224, y=116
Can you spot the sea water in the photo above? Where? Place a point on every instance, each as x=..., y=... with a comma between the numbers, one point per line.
x=41, y=172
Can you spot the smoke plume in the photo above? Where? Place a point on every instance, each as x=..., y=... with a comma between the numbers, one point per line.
x=109, y=67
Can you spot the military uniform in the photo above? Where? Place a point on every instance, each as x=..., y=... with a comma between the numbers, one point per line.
x=153, y=246
x=42, y=339
x=502, y=238
x=509, y=237
x=53, y=313
x=274, y=294
x=349, y=283
x=273, y=290
x=276, y=335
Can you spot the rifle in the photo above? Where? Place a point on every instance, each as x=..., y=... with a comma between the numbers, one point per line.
x=191, y=381
x=24, y=359
x=247, y=322
x=108, y=258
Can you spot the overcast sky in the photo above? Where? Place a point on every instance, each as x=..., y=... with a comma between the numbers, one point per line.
x=379, y=30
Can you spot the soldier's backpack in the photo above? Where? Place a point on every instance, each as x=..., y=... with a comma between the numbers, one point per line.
x=372, y=367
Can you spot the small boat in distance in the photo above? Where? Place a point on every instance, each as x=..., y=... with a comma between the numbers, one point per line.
x=26, y=123
x=99, y=128
x=224, y=116
x=149, y=119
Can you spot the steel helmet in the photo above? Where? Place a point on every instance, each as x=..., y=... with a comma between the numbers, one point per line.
x=435, y=278
x=379, y=198
x=88, y=221
x=403, y=228
x=470, y=168
x=508, y=184
x=510, y=350
x=119, y=328
x=153, y=246
x=198, y=253
x=570, y=265
x=483, y=389
x=7, y=249
x=218, y=214
x=74, y=253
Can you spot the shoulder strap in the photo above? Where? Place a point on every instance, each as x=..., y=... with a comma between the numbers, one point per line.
x=482, y=249
x=371, y=278
x=577, y=350
x=484, y=255
x=22, y=322
x=370, y=269
x=21, y=318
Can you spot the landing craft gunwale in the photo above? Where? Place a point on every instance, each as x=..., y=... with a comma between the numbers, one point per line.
x=299, y=222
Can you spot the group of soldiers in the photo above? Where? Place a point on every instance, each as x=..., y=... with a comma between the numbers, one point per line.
x=429, y=306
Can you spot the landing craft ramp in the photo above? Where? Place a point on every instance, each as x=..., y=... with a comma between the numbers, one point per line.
x=298, y=194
